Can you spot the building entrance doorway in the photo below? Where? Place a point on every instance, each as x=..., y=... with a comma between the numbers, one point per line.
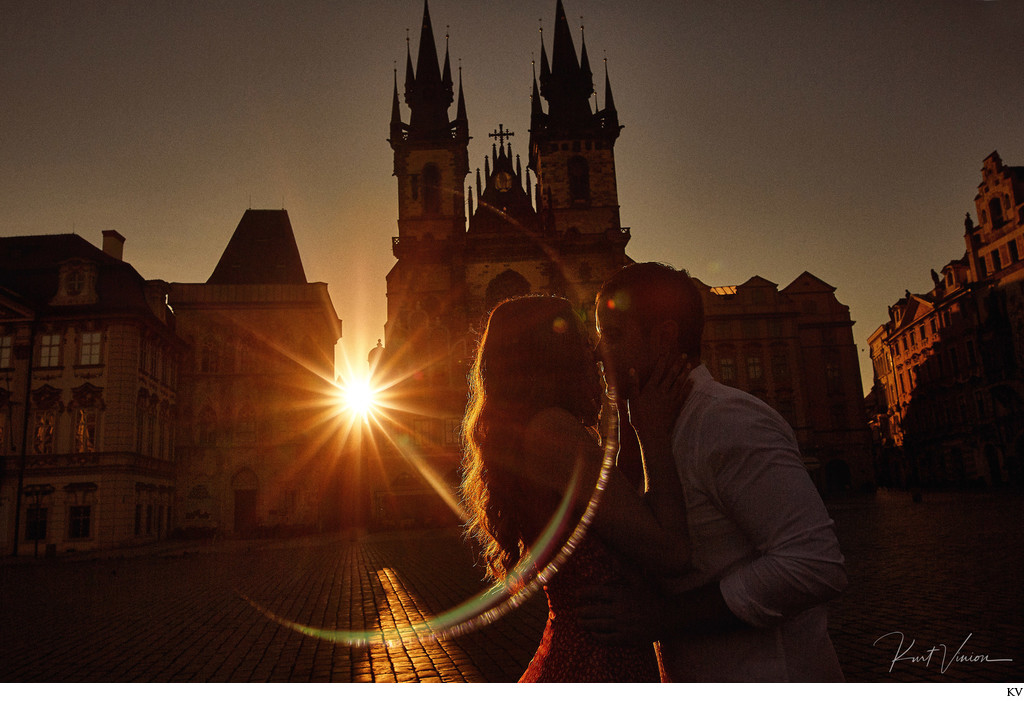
x=246, y=491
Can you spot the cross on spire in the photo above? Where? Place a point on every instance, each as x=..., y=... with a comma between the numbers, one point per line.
x=501, y=134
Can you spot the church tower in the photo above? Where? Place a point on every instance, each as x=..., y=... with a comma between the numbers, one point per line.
x=561, y=237
x=431, y=163
x=431, y=152
x=572, y=145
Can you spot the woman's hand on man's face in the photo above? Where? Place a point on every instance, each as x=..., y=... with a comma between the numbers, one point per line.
x=653, y=408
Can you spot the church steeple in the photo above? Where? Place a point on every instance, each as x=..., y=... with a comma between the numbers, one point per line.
x=568, y=85
x=504, y=207
x=611, y=116
x=571, y=142
x=396, y=113
x=427, y=92
x=535, y=106
x=461, y=123
x=446, y=75
x=431, y=151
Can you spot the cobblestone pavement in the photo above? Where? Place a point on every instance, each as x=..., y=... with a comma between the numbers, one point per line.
x=939, y=572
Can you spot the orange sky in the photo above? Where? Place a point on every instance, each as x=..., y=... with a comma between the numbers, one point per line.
x=761, y=138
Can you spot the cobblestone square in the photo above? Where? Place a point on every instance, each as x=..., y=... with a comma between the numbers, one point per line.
x=943, y=572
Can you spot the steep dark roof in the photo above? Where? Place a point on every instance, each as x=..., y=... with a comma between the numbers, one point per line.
x=262, y=251
x=30, y=267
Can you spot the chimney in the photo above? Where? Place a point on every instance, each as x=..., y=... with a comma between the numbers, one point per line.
x=113, y=244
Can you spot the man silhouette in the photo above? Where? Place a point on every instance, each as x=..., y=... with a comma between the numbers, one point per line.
x=765, y=554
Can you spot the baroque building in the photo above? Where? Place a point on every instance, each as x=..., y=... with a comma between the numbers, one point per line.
x=793, y=348
x=89, y=362
x=256, y=449
x=554, y=228
x=947, y=398
x=133, y=409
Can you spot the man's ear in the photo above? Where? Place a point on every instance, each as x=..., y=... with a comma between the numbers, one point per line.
x=665, y=338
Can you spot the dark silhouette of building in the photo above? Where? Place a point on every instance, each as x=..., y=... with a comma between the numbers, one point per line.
x=794, y=349
x=561, y=237
x=88, y=397
x=256, y=450
x=133, y=408
x=948, y=386
x=553, y=228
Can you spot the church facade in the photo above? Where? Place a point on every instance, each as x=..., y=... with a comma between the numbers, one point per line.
x=550, y=228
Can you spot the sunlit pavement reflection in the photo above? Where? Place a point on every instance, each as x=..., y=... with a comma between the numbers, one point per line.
x=937, y=571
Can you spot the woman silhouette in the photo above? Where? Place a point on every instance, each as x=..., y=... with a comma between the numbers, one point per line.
x=530, y=433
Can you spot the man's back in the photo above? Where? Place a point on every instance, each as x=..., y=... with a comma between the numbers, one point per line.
x=758, y=526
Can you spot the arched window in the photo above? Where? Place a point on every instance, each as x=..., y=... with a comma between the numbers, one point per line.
x=431, y=189
x=579, y=179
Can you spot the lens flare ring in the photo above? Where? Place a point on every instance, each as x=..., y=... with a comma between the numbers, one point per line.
x=502, y=598
x=497, y=601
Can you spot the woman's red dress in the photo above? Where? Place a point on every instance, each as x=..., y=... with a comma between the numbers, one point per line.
x=567, y=653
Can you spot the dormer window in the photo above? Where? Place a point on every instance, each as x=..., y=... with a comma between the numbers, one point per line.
x=77, y=283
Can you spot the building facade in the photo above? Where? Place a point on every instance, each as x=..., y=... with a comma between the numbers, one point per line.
x=554, y=228
x=133, y=409
x=948, y=385
x=257, y=449
x=89, y=363
x=458, y=255
x=794, y=349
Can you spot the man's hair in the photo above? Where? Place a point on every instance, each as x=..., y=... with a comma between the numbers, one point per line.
x=649, y=293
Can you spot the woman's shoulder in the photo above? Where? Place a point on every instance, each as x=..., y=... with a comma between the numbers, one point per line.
x=555, y=428
x=554, y=419
x=557, y=446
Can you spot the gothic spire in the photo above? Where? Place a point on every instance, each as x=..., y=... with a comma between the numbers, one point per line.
x=545, y=68
x=426, y=59
x=563, y=52
x=535, y=106
x=460, y=113
x=428, y=93
x=446, y=75
x=567, y=85
x=410, y=77
x=611, y=116
x=586, y=75
x=396, y=112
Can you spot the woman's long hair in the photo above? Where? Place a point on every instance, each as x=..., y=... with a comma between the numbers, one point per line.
x=534, y=355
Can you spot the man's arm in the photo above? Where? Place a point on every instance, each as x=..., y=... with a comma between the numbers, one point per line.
x=760, y=483
x=638, y=614
x=756, y=477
